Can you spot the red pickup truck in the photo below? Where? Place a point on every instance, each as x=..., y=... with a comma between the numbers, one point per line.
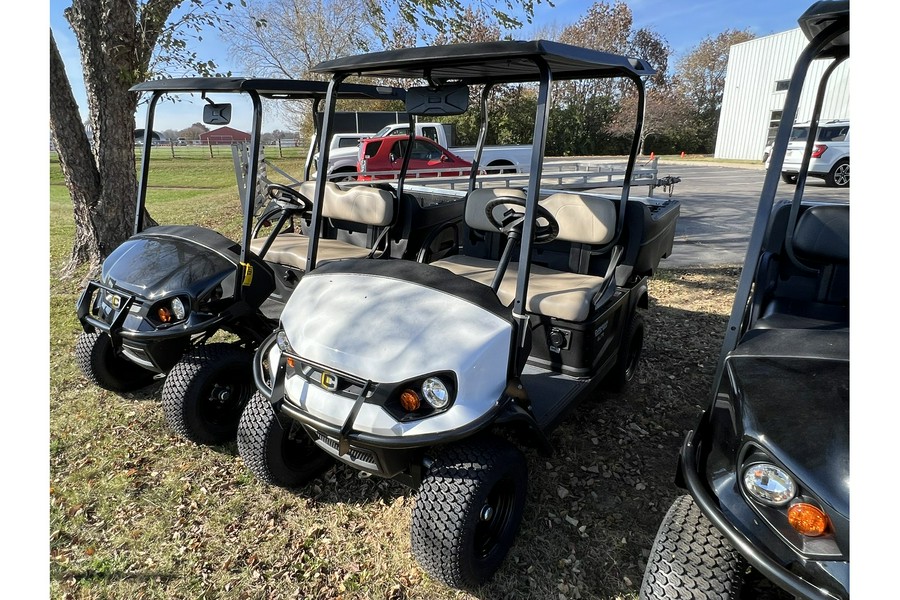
x=381, y=158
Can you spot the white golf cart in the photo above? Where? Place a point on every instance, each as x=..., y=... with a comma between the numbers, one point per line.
x=425, y=371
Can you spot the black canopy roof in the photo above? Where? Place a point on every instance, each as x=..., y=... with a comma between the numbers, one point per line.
x=822, y=14
x=488, y=62
x=291, y=89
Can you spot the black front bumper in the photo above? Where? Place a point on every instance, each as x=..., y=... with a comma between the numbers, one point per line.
x=154, y=349
x=770, y=567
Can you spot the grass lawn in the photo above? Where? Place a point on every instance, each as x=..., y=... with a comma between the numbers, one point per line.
x=136, y=512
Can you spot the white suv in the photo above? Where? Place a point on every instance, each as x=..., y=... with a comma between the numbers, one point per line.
x=830, y=158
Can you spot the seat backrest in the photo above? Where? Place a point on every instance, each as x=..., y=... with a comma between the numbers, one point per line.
x=822, y=235
x=358, y=204
x=582, y=219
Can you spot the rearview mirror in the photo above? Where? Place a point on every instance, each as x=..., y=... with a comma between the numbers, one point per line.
x=451, y=100
x=217, y=114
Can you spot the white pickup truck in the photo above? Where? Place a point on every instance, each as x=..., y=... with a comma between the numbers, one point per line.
x=494, y=159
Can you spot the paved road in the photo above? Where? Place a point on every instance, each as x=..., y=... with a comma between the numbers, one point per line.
x=718, y=205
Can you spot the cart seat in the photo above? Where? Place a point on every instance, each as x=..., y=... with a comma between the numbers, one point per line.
x=816, y=298
x=359, y=204
x=551, y=293
x=560, y=294
x=291, y=249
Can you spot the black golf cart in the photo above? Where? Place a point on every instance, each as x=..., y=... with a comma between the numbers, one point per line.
x=164, y=293
x=425, y=371
x=767, y=468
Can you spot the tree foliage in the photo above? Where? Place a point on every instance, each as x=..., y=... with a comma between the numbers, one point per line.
x=701, y=80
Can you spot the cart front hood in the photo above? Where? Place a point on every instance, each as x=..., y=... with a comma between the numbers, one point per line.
x=164, y=260
x=793, y=398
x=389, y=321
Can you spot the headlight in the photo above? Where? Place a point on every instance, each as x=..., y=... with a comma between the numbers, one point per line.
x=283, y=344
x=769, y=484
x=178, y=308
x=435, y=392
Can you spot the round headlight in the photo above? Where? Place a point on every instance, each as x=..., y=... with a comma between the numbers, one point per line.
x=435, y=392
x=283, y=344
x=178, y=308
x=769, y=484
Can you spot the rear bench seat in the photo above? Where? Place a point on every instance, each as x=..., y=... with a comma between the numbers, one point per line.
x=795, y=299
x=358, y=204
x=559, y=294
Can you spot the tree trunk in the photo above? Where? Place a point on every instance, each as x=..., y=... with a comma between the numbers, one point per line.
x=77, y=163
x=116, y=40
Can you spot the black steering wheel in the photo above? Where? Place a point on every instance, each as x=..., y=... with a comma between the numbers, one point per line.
x=513, y=219
x=277, y=191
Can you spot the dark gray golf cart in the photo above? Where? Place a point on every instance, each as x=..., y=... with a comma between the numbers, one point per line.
x=423, y=371
x=767, y=468
x=168, y=289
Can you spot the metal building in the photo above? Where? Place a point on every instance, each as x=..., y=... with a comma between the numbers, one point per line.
x=756, y=83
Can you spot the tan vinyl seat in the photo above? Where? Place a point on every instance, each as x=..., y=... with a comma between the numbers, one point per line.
x=560, y=294
x=358, y=204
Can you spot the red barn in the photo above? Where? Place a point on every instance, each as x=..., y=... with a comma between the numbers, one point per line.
x=224, y=135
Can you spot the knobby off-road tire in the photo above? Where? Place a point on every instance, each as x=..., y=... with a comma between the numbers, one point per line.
x=468, y=511
x=270, y=452
x=629, y=356
x=690, y=558
x=101, y=366
x=206, y=391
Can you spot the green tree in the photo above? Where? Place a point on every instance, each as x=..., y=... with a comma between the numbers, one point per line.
x=700, y=78
x=584, y=108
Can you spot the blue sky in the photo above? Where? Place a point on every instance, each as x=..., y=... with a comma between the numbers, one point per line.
x=682, y=23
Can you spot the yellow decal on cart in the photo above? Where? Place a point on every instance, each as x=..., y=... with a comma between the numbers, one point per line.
x=248, y=274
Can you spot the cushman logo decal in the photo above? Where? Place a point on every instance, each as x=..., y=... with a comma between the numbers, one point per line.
x=329, y=381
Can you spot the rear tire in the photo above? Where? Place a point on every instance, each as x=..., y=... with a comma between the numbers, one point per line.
x=629, y=356
x=99, y=363
x=206, y=391
x=839, y=175
x=690, y=558
x=789, y=178
x=271, y=453
x=468, y=511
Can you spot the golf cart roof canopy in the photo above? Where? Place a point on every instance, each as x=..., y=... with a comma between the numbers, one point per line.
x=821, y=15
x=488, y=62
x=289, y=89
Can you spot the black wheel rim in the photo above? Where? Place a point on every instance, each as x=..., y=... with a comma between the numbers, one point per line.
x=222, y=405
x=295, y=447
x=494, y=517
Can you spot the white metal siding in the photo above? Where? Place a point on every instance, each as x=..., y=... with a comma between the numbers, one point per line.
x=754, y=67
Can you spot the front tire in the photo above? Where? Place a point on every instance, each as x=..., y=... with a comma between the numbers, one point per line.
x=272, y=452
x=99, y=363
x=839, y=175
x=789, y=178
x=468, y=511
x=206, y=391
x=690, y=558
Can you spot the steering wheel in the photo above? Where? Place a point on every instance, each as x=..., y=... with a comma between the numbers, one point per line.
x=513, y=219
x=277, y=191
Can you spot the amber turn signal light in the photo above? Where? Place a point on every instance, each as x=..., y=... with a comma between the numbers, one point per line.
x=164, y=314
x=807, y=519
x=410, y=401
